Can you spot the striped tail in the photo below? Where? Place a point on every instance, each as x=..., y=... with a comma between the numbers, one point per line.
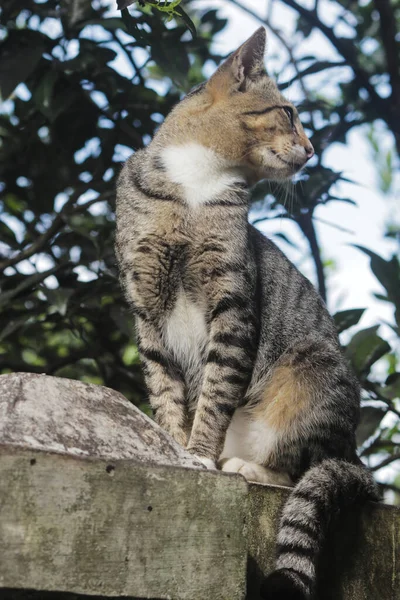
x=325, y=488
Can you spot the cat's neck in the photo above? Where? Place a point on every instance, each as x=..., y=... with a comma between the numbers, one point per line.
x=202, y=175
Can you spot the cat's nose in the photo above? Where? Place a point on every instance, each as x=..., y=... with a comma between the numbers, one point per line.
x=309, y=150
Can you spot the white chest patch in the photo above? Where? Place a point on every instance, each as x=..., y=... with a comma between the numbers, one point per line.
x=200, y=171
x=185, y=333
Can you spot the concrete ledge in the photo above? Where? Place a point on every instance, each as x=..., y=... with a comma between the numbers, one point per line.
x=81, y=419
x=97, y=501
x=120, y=528
x=361, y=560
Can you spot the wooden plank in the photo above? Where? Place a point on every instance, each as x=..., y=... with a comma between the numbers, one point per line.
x=120, y=528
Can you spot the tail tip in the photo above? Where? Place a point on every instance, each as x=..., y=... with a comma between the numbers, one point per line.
x=281, y=584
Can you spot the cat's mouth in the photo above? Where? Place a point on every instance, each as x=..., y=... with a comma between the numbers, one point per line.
x=293, y=165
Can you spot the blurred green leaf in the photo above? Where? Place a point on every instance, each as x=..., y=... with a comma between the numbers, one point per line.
x=391, y=389
x=13, y=325
x=7, y=235
x=365, y=348
x=187, y=20
x=58, y=298
x=371, y=418
x=388, y=274
x=172, y=58
x=20, y=53
x=347, y=318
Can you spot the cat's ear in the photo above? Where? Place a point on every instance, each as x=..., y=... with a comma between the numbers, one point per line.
x=245, y=64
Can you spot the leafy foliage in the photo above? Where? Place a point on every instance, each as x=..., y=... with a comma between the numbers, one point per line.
x=64, y=133
x=83, y=86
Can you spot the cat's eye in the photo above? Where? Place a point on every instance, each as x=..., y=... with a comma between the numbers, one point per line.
x=289, y=113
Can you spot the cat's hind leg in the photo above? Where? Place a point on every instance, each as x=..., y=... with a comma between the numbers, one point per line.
x=248, y=445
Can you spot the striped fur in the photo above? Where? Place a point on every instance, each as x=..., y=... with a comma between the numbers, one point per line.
x=323, y=490
x=241, y=358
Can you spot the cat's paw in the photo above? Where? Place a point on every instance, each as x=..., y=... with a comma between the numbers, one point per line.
x=207, y=462
x=255, y=473
x=250, y=471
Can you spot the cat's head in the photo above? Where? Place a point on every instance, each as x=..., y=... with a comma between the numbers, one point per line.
x=241, y=115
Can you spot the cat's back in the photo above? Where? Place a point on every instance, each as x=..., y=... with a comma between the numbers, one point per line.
x=291, y=308
x=131, y=172
x=130, y=203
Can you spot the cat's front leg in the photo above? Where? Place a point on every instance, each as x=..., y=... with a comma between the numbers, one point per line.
x=226, y=375
x=164, y=381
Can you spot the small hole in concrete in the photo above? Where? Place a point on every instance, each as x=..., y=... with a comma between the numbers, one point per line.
x=33, y=461
x=110, y=468
x=149, y=508
x=228, y=536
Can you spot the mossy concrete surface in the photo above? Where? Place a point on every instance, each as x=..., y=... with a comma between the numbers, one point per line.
x=361, y=559
x=120, y=528
x=81, y=419
x=97, y=501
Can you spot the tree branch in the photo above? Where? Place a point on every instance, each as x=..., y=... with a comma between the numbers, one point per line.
x=344, y=47
x=27, y=282
x=280, y=37
x=388, y=35
x=129, y=57
x=389, y=486
x=379, y=443
x=334, y=225
x=386, y=461
x=306, y=224
x=309, y=71
x=57, y=224
x=41, y=241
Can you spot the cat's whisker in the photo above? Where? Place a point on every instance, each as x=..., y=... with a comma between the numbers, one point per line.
x=293, y=191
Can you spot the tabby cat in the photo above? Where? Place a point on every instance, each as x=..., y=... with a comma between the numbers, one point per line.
x=240, y=356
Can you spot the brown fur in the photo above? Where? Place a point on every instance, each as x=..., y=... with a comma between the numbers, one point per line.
x=287, y=396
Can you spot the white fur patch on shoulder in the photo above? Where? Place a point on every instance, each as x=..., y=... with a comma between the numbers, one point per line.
x=200, y=171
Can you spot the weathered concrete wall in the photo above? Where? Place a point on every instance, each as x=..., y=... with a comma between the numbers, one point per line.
x=120, y=528
x=140, y=518
x=361, y=560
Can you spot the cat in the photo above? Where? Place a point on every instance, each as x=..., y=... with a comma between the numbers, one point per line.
x=241, y=359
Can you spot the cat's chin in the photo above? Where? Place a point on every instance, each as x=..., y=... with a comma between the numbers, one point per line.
x=287, y=173
x=275, y=168
x=274, y=174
